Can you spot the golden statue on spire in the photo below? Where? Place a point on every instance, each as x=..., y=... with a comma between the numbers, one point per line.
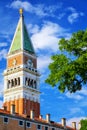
x=21, y=11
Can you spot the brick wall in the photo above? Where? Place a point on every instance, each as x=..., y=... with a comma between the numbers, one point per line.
x=13, y=124
x=22, y=105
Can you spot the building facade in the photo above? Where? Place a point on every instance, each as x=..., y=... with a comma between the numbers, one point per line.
x=21, y=107
x=21, y=78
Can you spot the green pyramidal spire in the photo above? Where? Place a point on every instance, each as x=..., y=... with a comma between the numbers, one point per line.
x=21, y=39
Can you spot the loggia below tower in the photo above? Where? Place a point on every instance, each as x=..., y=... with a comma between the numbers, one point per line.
x=21, y=78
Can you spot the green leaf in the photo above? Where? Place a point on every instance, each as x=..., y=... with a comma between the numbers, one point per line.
x=68, y=70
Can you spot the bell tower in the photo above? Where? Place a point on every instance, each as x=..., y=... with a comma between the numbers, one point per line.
x=21, y=77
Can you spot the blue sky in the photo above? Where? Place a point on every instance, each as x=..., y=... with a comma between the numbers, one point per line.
x=47, y=22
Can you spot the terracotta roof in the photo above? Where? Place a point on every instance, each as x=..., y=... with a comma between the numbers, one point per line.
x=41, y=120
x=52, y=123
x=4, y=112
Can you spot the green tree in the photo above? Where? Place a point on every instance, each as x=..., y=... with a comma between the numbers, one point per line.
x=68, y=70
x=83, y=124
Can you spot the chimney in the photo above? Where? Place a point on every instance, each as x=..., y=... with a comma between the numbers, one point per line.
x=48, y=118
x=63, y=122
x=32, y=114
x=12, y=109
x=5, y=108
x=79, y=125
x=74, y=125
x=40, y=116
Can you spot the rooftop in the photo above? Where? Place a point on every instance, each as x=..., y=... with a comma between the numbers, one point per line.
x=21, y=39
x=38, y=120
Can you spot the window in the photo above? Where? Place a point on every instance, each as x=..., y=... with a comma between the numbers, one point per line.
x=46, y=128
x=15, y=81
x=21, y=123
x=12, y=83
x=31, y=83
x=28, y=124
x=39, y=127
x=18, y=80
x=5, y=120
x=28, y=82
x=13, y=108
x=5, y=108
x=8, y=84
x=35, y=85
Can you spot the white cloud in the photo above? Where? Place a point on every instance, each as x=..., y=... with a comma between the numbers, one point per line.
x=73, y=17
x=73, y=10
x=19, y=4
x=3, y=44
x=1, y=91
x=3, y=54
x=83, y=92
x=33, y=28
x=60, y=97
x=76, y=110
x=79, y=95
x=75, y=119
x=43, y=62
x=46, y=39
x=1, y=86
x=74, y=96
x=48, y=36
x=40, y=9
x=61, y=15
x=1, y=102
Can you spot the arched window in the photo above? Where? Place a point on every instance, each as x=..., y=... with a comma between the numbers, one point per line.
x=18, y=80
x=31, y=83
x=8, y=84
x=26, y=81
x=35, y=85
x=12, y=83
x=15, y=81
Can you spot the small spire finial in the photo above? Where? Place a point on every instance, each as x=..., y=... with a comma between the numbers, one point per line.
x=21, y=11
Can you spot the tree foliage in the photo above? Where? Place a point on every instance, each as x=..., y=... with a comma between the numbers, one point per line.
x=68, y=70
x=83, y=124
